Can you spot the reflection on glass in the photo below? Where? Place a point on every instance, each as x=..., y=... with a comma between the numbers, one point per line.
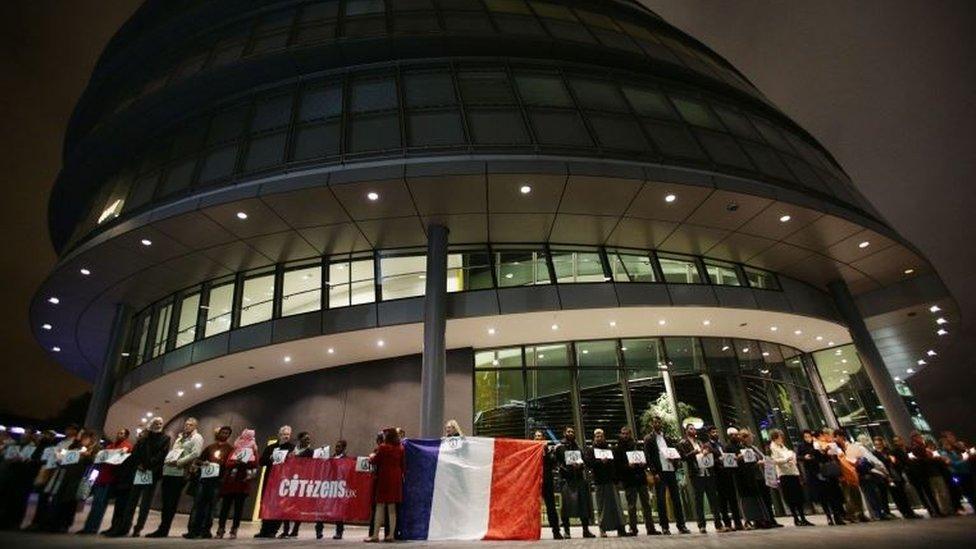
x=547, y=355
x=499, y=358
x=163, y=318
x=572, y=266
x=403, y=276
x=760, y=279
x=644, y=357
x=722, y=273
x=186, y=329
x=521, y=268
x=257, y=299
x=627, y=267
x=684, y=355
x=548, y=403
x=679, y=269
x=849, y=390
x=351, y=283
x=468, y=271
x=499, y=403
x=142, y=336
x=301, y=290
x=218, y=309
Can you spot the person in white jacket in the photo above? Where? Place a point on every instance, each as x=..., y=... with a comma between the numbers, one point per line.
x=872, y=475
x=789, y=476
x=186, y=448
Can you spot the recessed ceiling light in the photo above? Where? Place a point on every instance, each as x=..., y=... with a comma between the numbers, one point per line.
x=380, y=343
x=148, y=414
x=745, y=349
x=125, y=353
x=509, y=275
x=586, y=351
x=525, y=189
x=670, y=198
x=941, y=320
x=784, y=218
x=798, y=332
x=613, y=323
x=838, y=352
x=84, y=271
x=830, y=343
x=662, y=322
x=623, y=348
x=287, y=359
x=864, y=244
x=921, y=362
x=765, y=353
x=56, y=349
x=241, y=215
x=330, y=350
x=491, y=331
x=555, y=326
x=843, y=361
x=934, y=309
x=942, y=331
x=373, y=196
x=142, y=420
x=46, y=326
x=909, y=271
x=819, y=338
x=146, y=242
x=773, y=328
x=725, y=348
x=706, y=322
x=53, y=300
x=930, y=352
x=197, y=385
x=180, y=393
x=910, y=371
x=897, y=378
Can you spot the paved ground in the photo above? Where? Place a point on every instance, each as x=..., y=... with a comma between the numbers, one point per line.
x=960, y=532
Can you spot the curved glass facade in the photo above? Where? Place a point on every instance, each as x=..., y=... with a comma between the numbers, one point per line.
x=608, y=384
x=216, y=306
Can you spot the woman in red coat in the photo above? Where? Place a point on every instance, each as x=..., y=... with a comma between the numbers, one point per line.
x=388, y=460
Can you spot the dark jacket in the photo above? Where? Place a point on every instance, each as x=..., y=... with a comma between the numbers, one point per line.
x=690, y=456
x=626, y=473
x=265, y=460
x=149, y=452
x=654, y=457
x=548, y=466
x=604, y=472
x=568, y=472
x=810, y=459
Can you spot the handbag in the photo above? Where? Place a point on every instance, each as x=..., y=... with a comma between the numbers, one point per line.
x=830, y=469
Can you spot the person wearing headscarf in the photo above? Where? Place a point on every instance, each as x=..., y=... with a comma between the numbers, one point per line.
x=242, y=464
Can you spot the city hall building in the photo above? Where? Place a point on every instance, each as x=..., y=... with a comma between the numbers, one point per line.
x=523, y=214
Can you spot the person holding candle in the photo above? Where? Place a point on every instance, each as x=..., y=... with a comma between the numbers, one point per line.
x=235, y=484
x=209, y=466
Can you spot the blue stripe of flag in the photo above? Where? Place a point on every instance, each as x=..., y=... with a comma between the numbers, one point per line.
x=418, y=487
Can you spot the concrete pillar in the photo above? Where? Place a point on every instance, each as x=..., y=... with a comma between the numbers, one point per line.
x=434, y=364
x=874, y=366
x=105, y=381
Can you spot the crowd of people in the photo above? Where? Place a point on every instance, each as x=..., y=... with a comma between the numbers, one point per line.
x=733, y=473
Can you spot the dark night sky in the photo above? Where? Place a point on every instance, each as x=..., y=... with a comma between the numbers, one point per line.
x=887, y=86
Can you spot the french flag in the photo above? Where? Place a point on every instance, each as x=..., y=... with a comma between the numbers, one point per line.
x=470, y=488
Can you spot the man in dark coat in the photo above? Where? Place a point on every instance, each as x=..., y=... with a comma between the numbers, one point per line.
x=656, y=446
x=549, y=485
x=633, y=476
x=142, y=470
x=575, y=489
x=282, y=446
x=700, y=459
x=728, y=499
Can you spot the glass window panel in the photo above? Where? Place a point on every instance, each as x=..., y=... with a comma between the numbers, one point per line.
x=373, y=95
x=499, y=403
x=508, y=6
x=163, y=317
x=464, y=5
x=767, y=160
x=320, y=102
x=762, y=280
x=684, y=355
x=492, y=127
x=265, y=151
x=486, y=88
x=560, y=128
x=428, y=90
x=271, y=113
x=315, y=33
x=370, y=133
x=720, y=355
x=571, y=32
x=514, y=24
x=317, y=140
x=468, y=23
x=219, y=164
x=849, y=390
x=615, y=132
x=403, y=276
x=434, y=129
x=749, y=355
x=257, y=299
x=142, y=191
x=648, y=398
x=772, y=135
x=593, y=94
x=720, y=272
x=364, y=7
x=647, y=102
x=601, y=399
x=301, y=290
x=141, y=338
x=468, y=271
x=554, y=11
x=689, y=392
x=644, y=357
x=227, y=125
x=498, y=358
x=674, y=141
x=548, y=403
x=410, y=5
x=631, y=267
x=597, y=354
x=219, y=309
x=544, y=90
x=351, y=283
x=178, y=177
x=572, y=266
x=697, y=113
x=552, y=355
x=416, y=22
x=276, y=21
x=186, y=328
x=319, y=12
x=521, y=268
x=724, y=150
x=679, y=269
x=189, y=140
x=364, y=26
x=737, y=123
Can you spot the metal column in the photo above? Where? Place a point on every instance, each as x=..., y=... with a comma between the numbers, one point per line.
x=434, y=362
x=884, y=386
x=810, y=367
x=105, y=381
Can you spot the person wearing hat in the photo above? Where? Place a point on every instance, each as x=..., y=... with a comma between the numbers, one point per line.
x=700, y=458
x=662, y=467
x=728, y=499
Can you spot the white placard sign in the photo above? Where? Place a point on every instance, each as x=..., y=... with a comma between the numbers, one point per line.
x=573, y=457
x=671, y=453
x=636, y=457
x=278, y=456
x=324, y=452
x=116, y=457
x=27, y=451
x=705, y=461
x=173, y=455
x=142, y=478
x=364, y=465
x=209, y=470
x=101, y=456
x=70, y=457
x=729, y=461
x=748, y=456
x=244, y=455
x=49, y=457
x=601, y=454
x=769, y=474
x=11, y=452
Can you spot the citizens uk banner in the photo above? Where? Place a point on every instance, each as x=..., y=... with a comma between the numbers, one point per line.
x=311, y=490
